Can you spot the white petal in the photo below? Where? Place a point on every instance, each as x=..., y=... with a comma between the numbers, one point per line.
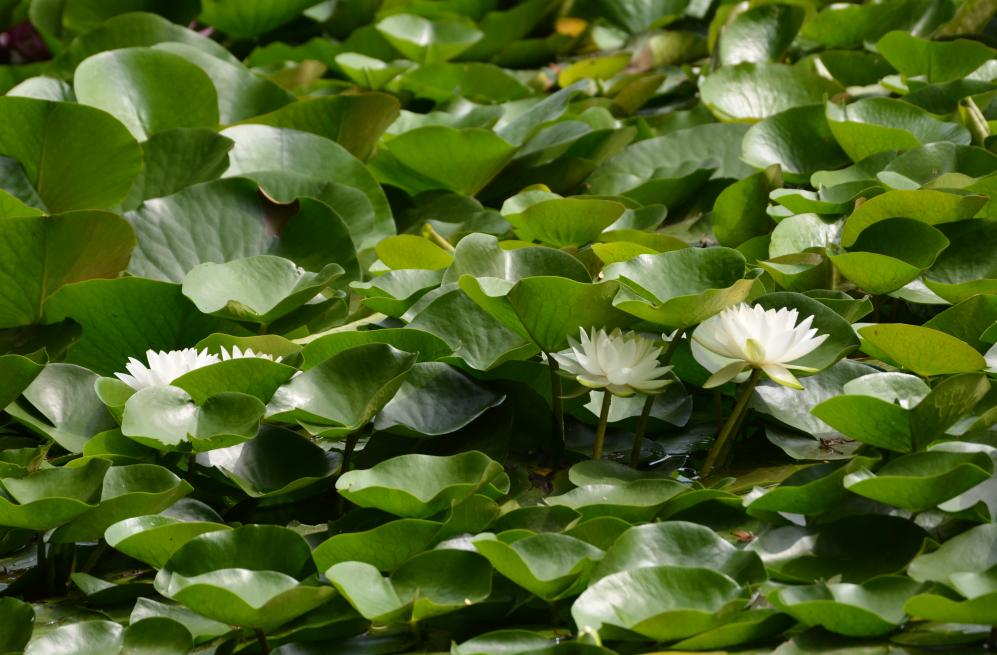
x=782, y=376
x=725, y=375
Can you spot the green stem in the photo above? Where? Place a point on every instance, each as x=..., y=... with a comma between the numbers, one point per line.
x=718, y=408
x=600, y=432
x=555, y=392
x=262, y=638
x=351, y=443
x=555, y=620
x=262, y=329
x=42, y=563
x=732, y=420
x=649, y=402
x=992, y=640
x=92, y=560
x=191, y=468
x=741, y=420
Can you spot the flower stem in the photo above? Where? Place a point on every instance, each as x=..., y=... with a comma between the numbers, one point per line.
x=600, y=432
x=649, y=402
x=191, y=468
x=351, y=443
x=92, y=560
x=555, y=392
x=718, y=408
x=732, y=420
x=262, y=638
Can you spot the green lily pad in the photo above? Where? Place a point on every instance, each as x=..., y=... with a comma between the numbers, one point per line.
x=921, y=481
x=202, y=629
x=872, y=125
x=501, y=642
x=138, y=87
x=154, y=539
x=385, y=547
x=167, y=418
x=40, y=254
x=798, y=139
x=980, y=591
x=931, y=207
x=17, y=623
x=427, y=42
x=128, y=491
x=61, y=405
x=16, y=374
x=480, y=255
x=431, y=584
x=962, y=270
x=634, y=502
x=407, y=251
x=52, y=497
x=274, y=463
x=252, y=18
x=810, y=491
x=92, y=154
x=890, y=254
x=548, y=565
x=547, y=310
x=677, y=543
x=739, y=213
x=440, y=157
x=253, y=376
x=806, y=554
x=100, y=637
x=478, y=82
x=800, y=272
x=752, y=92
x=344, y=392
x=419, y=486
x=368, y=72
x=744, y=628
x=428, y=346
x=970, y=552
x=394, y=292
x=871, y=609
x=940, y=61
x=922, y=350
x=257, y=289
x=436, y=398
x=257, y=576
x=563, y=222
x=663, y=603
x=895, y=426
x=680, y=288
x=760, y=34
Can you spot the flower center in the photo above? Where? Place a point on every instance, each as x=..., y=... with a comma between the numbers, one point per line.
x=620, y=375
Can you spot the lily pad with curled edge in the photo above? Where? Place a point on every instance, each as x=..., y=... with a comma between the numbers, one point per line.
x=419, y=486
x=154, y=539
x=548, y=310
x=929, y=207
x=751, y=92
x=810, y=491
x=428, y=346
x=167, y=418
x=501, y=642
x=99, y=637
x=680, y=544
x=549, y=565
x=663, y=603
x=806, y=554
x=894, y=426
x=964, y=269
x=890, y=254
x=434, y=583
x=202, y=629
x=368, y=72
x=385, y=547
x=101, y=592
x=634, y=502
x=276, y=462
x=798, y=139
x=978, y=604
x=563, y=222
x=394, y=292
x=256, y=576
x=745, y=627
x=921, y=481
x=973, y=551
x=254, y=376
x=436, y=398
x=871, y=609
x=924, y=351
x=258, y=289
x=680, y=288
x=482, y=256
x=128, y=491
x=53, y=496
x=343, y=393
x=427, y=42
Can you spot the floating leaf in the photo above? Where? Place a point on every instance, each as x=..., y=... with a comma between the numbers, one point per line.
x=752, y=92
x=549, y=565
x=427, y=42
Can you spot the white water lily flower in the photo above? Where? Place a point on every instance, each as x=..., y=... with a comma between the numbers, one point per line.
x=164, y=367
x=239, y=354
x=623, y=364
x=755, y=338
